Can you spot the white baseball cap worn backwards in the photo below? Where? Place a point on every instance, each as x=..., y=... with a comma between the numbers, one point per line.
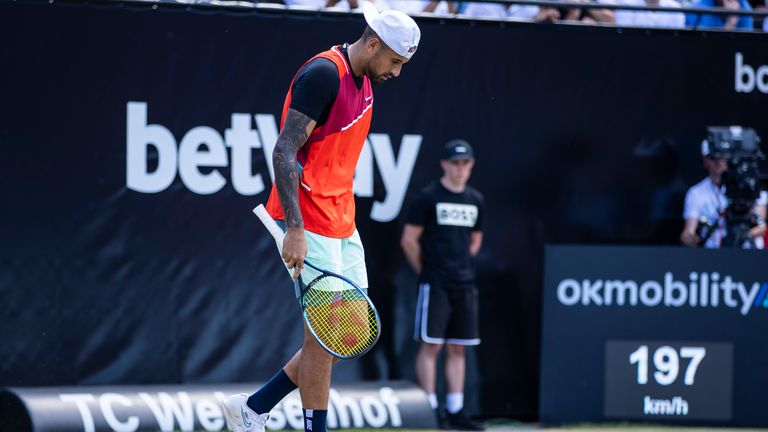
x=396, y=29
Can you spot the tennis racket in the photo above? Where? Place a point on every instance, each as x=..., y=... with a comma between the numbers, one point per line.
x=338, y=313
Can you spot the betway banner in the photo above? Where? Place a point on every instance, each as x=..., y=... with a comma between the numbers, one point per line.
x=202, y=152
x=196, y=408
x=654, y=334
x=135, y=139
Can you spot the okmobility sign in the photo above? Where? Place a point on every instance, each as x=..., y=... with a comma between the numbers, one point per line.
x=654, y=334
x=701, y=289
x=196, y=408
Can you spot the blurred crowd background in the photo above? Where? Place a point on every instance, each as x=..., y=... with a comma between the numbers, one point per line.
x=670, y=14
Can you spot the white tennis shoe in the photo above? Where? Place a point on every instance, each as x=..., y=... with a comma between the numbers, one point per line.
x=240, y=417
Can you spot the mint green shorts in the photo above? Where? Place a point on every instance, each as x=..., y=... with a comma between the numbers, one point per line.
x=341, y=256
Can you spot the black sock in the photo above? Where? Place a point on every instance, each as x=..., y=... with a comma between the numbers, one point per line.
x=271, y=393
x=314, y=420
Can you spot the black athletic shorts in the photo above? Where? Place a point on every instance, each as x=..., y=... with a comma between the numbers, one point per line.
x=447, y=314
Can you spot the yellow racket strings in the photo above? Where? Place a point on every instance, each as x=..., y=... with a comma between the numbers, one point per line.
x=343, y=320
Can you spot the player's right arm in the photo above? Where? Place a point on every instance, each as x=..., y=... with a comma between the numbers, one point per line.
x=411, y=247
x=688, y=237
x=417, y=217
x=293, y=135
x=691, y=215
x=313, y=91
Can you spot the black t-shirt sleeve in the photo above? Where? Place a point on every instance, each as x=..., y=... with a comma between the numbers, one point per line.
x=418, y=214
x=315, y=88
x=480, y=212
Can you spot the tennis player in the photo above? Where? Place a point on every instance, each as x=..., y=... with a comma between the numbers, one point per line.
x=325, y=121
x=442, y=235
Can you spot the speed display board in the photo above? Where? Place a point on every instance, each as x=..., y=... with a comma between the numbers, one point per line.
x=668, y=379
x=650, y=334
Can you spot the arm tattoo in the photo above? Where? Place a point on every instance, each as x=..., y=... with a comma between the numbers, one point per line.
x=294, y=134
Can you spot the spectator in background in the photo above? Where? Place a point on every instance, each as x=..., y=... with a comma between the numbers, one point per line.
x=706, y=202
x=650, y=19
x=725, y=22
x=499, y=11
x=410, y=7
x=322, y=4
x=441, y=238
x=336, y=4
x=592, y=16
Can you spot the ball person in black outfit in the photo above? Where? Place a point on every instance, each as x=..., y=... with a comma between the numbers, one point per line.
x=442, y=235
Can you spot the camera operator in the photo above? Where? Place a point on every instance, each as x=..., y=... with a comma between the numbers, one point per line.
x=706, y=204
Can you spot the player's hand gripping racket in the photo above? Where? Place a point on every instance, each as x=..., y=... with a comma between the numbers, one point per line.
x=338, y=313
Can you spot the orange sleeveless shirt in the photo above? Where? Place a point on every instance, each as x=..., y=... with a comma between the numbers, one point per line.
x=329, y=157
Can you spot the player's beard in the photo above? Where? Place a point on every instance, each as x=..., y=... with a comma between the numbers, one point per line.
x=378, y=79
x=375, y=77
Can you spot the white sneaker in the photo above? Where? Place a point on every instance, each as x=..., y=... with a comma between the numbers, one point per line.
x=240, y=417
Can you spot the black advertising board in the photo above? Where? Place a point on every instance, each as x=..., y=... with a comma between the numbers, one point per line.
x=654, y=334
x=136, y=139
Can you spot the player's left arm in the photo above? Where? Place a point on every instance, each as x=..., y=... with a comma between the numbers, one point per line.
x=476, y=237
x=759, y=230
x=475, y=242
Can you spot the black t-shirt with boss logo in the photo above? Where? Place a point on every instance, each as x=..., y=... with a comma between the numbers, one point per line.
x=448, y=219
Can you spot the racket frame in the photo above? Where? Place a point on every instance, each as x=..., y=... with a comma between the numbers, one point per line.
x=278, y=234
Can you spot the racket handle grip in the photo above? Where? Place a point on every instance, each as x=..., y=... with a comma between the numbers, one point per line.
x=270, y=224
